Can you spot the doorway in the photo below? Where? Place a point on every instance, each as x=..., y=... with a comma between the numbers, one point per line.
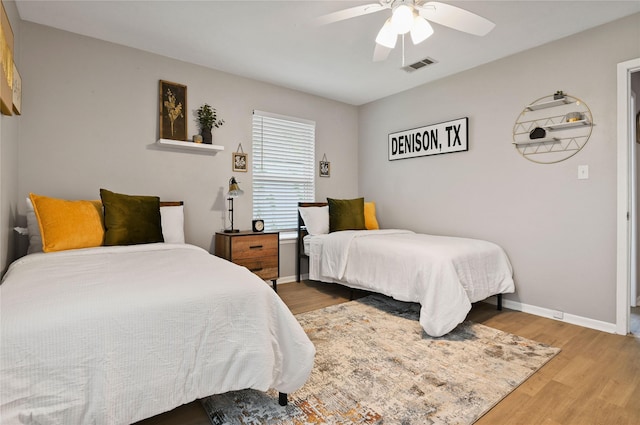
x=627, y=205
x=634, y=151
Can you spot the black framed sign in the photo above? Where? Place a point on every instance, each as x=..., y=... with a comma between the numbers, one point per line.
x=434, y=139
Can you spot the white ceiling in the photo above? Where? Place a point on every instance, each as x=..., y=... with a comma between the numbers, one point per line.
x=277, y=41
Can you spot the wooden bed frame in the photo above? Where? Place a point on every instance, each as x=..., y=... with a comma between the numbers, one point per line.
x=302, y=232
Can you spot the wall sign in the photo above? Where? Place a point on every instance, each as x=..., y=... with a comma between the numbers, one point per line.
x=446, y=137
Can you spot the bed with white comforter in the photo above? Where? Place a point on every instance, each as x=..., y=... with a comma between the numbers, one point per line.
x=113, y=335
x=444, y=274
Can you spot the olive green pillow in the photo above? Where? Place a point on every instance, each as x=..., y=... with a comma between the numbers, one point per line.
x=346, y=214
x=130, y=220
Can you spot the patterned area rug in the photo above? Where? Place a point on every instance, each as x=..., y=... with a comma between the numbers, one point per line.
x=374, y=364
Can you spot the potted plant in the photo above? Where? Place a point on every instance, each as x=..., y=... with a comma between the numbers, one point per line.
x=208, y=118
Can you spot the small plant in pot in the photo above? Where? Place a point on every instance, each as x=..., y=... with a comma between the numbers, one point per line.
x=207, y=119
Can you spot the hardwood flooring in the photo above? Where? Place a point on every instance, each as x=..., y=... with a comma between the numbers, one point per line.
x=595, y=380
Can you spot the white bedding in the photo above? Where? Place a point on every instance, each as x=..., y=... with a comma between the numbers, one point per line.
x=113, y=335
x=444, y=274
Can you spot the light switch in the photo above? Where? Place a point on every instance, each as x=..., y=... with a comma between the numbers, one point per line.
x=583, y=172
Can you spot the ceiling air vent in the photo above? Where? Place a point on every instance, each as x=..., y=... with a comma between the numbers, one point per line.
x=420, y=64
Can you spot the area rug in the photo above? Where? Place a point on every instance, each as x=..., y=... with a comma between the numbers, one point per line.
x=375, y=365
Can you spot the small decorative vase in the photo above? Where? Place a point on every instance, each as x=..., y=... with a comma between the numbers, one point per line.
x=206, y=136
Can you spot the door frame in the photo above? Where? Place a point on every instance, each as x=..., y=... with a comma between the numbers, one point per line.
x=623, y=249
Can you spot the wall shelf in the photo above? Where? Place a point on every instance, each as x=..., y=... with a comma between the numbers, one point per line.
x=549, y=104
x=566, y=125
x=550, y=114
x=532, y=141
x=190, y=146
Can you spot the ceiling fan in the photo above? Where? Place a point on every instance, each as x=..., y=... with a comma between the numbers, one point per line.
x=412, y=16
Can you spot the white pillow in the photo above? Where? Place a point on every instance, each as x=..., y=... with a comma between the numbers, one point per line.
x=35, y=239
x=172, y=219
x=316, y=219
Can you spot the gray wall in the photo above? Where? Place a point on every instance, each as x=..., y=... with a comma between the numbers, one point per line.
x=9, y=159
x=559, y=232
x=91, y=121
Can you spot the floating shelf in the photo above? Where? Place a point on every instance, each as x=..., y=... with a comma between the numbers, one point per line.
x=533, y=141
x=565, y=125
x=549, y=104
x=202, y=147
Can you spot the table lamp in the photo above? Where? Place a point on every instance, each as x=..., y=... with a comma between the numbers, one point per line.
x=234, y=192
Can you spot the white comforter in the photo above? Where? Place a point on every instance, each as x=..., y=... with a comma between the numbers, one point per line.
x=113, y=335
x=444, y=274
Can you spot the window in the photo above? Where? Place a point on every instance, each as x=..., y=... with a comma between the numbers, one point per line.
x=283, y=168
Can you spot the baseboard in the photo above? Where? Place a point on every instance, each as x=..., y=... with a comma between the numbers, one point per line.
x=525, y=308
x=548, y=313
x=288, y=279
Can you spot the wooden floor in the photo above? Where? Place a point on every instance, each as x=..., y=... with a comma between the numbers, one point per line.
x=594, y=380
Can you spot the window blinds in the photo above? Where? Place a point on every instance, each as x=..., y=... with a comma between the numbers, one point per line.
x=283, y=168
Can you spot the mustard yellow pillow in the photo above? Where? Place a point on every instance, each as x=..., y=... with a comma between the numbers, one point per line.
x=370, y=220
x=68, y=224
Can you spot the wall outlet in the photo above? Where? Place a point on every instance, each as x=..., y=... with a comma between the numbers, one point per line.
x=558, y=315
x=583, y=172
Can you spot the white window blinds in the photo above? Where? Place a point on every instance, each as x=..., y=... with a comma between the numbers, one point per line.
x=283, y=168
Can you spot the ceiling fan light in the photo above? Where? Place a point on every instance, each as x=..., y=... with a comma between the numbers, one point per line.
x=421, y=30
x=387, y=36
x=402, y=19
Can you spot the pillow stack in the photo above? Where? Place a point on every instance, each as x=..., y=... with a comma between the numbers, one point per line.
x=340, y=214
x=117, y=219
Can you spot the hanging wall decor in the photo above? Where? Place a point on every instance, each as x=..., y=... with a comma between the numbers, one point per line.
x=552, y=128
x=434, y=139
x=325, y=167
x=6, y=65
x=17, y=91
x=240, y=160
x=173, y=104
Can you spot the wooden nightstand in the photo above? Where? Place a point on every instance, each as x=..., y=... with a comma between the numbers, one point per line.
x=259, y=252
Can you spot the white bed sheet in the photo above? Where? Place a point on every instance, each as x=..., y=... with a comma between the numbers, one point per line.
x=113, y=335
x=444, y=274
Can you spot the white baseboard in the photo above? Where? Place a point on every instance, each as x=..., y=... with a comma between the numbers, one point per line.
x=525, y=308
x=548, y=313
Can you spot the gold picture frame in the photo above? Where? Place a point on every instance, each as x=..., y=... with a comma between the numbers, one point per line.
x=6, y=63
x=17, y=91
x=240, y=161
x=173, y=107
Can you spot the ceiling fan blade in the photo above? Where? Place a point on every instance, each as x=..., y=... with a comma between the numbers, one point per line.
x=456, y=18
x=381, y=53
x=349, y=13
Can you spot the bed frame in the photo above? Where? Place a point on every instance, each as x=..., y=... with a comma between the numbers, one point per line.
x=300, y=255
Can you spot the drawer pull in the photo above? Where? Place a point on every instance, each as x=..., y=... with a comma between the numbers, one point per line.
x=257, y=269
x=255, y=247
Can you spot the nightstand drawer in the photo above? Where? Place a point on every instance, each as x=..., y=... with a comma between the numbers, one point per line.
x=254, y=246
x=258, y=252
x=266, y=268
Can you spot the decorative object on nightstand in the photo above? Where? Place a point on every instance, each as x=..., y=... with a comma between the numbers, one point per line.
x=259, y=252
x=257, y=225
x=207, y=119
x=234, y=192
